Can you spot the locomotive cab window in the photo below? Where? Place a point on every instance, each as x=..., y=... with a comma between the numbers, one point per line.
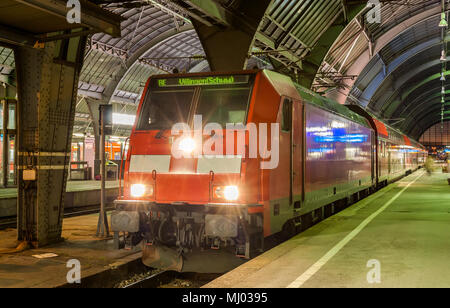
x=224, y=105
x=162, y=109
x=219, y=99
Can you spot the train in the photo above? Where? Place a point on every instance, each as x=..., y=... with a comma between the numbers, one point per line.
x=218, y=162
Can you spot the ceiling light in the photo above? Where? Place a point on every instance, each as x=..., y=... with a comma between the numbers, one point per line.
x=443, y=22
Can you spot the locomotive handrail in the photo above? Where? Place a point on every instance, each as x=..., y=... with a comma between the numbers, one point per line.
x=211, y=187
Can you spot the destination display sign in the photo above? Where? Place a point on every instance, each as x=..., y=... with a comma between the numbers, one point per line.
x=202, y=81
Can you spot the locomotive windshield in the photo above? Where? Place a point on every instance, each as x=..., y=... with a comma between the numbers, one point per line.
x=165, y=108
x=219, y=100
x=224, y=106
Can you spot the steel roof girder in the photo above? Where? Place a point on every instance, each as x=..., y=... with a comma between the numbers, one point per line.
x=376, y=83
x=431, y=112
x=364, y=59
x=92, y=16
x=227, y=48
x=313, y=61
x=133, y=59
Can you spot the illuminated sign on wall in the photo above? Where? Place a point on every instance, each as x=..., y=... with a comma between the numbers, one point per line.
x=202, y=81
x=123, y=119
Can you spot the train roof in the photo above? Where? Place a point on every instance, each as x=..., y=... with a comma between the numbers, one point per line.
x=382, y=128
x=329, y=104
x=285, y=86
x=364, y=118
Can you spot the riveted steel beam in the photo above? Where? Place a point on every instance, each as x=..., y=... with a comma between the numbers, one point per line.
x=47, y=80
x=313, y=61
x=10, y=35
x=92, y=17
x=133, y=59
x=227, y=44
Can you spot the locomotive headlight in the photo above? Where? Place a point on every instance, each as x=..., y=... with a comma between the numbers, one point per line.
x=187, y=145
x=137, y=190
x=231, y=193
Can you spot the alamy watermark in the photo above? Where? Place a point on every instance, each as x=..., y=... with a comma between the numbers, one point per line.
x=74, y=14
x=190, y=142
x=374, y=275
x=374, y=14
x=74, y=274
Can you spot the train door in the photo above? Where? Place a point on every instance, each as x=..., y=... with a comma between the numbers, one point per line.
x=380, y=159
x=287, y=127
x=281, y=178
x=298, y=128
x=374, y=157
x=388, y=149
x=405, y=161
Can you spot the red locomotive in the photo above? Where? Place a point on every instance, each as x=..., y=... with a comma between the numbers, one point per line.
x=277, y=158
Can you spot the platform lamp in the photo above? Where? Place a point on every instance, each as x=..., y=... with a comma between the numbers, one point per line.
x=106, y=122
x=443, y=56
x=443, y=22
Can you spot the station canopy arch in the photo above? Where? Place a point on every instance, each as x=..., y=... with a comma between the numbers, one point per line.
x=326, y=45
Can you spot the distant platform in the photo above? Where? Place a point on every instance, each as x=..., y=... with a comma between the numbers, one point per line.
x=399, y=237
x=96, y=256
x=79, y=194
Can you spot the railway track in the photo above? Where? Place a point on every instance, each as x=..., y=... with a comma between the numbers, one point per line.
x=11, y=222
x=170, y=279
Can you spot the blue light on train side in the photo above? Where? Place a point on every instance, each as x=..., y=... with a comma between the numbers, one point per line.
x=338, y=134
x=348, y=138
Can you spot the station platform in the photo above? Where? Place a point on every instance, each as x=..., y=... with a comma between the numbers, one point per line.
x=397, y=237
x=97, y=257
x=78, y=194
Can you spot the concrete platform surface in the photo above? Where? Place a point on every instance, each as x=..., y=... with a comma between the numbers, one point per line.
x=72, y=186
x=78, y=194
x=96, y=255
x=398, y=237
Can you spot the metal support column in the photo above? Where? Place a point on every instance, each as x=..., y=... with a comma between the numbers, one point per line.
x=47, y=87
x=227, y=43
x=103, y=226
x=93, y=106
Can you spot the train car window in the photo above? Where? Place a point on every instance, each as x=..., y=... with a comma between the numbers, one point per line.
x=224, y=105
x=286, y=121
x=162, y=109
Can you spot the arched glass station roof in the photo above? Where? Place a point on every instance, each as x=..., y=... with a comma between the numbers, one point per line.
x=391, y=68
